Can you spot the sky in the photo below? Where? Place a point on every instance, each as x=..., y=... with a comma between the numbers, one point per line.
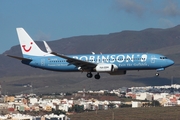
x=55, y=19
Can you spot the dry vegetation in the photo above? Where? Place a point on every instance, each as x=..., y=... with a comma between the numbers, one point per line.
x=148, y=113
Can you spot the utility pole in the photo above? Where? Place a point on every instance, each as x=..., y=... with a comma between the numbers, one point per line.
x=112, y=115
x=172, y=87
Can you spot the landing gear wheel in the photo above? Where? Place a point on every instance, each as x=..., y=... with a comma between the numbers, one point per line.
x=97, y=76
x=157, y=74
x=89, y=75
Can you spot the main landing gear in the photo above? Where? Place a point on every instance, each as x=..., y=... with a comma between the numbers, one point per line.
x=157, y=74
x=97, y=76
x=89, y=75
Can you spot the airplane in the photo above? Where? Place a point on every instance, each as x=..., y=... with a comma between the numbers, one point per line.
x=114, y=64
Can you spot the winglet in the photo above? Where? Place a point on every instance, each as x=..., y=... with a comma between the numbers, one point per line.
x=47, y=47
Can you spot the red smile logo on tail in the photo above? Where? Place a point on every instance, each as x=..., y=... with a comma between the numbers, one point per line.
x=27, y=50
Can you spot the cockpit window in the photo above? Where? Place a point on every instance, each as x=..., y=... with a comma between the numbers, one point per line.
x=163, y=57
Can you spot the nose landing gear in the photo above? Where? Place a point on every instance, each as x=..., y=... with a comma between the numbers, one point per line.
x=157, y=74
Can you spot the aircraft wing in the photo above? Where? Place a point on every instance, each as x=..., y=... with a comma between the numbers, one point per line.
x=85, y=65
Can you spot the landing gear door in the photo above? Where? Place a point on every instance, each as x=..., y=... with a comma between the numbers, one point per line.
x=153, y=59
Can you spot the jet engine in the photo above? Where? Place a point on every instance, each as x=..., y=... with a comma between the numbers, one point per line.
x=103, y=67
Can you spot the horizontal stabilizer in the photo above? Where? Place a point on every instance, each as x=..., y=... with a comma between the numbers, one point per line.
x=19, y=58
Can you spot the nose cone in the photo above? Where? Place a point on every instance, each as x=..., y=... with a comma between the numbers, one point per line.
x=170, y=62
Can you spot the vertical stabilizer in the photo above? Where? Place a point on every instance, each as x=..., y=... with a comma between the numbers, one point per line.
x=28, y=46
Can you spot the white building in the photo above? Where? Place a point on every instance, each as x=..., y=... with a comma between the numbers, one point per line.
x=144, y=96
x=159, y=96
x=33, y=100
x=136, y=104
x=63, y=107
x=178, y=102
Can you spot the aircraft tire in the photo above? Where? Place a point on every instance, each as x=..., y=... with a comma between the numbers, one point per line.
x=157, y=74
x=89, y=75
x=97, y=76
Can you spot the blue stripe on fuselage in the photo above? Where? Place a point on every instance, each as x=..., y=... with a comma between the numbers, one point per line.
x=127, y=61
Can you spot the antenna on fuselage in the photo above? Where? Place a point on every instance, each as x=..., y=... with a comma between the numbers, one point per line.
x=93, y=53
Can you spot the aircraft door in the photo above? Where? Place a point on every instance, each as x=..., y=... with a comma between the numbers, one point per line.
x=153, y=59
x=42, y=62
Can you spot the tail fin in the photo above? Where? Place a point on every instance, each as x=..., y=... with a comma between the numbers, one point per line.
x=28, y=46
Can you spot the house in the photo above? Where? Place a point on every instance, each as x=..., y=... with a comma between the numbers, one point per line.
x=136, y=104
x=144, y=96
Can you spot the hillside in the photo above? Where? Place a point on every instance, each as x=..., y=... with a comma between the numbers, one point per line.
x=14, y=75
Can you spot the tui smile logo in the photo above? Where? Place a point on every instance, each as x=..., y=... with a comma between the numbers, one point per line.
x=25, y=49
